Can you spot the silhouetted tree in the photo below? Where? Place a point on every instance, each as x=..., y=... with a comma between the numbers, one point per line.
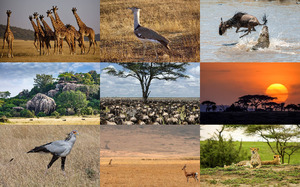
x=290, y=107
x=146, y=72
x=209, y=105
x=255, y=100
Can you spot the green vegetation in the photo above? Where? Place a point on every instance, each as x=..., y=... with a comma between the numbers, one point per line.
x=264, y=150
x=82, y=97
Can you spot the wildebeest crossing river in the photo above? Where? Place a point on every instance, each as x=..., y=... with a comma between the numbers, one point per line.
x=283, y=23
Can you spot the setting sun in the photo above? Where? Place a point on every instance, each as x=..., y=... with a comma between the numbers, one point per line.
x=279, y=91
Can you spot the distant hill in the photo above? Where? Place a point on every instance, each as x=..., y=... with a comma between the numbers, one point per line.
x=21, y=34
x=26, y=34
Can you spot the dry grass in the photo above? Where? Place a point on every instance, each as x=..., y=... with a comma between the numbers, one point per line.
x=65, y=120
x=24, y=51
x=147, y=172
x=177, y=20
x=82, y=165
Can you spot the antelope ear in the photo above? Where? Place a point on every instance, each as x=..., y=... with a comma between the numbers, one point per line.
x=221, y=20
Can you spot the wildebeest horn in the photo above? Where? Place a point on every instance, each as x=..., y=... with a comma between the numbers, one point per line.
x=221, y=20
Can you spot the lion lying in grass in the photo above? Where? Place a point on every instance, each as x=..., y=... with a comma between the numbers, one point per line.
x=276, y=161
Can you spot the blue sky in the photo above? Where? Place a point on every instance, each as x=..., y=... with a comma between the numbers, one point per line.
x=129, y=87
x=14, y=77
x=88, y=11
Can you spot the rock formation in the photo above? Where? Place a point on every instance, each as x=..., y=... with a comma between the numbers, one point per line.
x=41, y=103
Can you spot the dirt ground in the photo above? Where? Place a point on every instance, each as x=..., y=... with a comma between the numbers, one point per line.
x=149, y=155
x=284, y=175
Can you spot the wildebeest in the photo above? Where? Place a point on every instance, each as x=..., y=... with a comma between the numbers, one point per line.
x=263, y=40
x=239, y=20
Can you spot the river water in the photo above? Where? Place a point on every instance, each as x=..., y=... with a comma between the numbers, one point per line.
x=284, y=29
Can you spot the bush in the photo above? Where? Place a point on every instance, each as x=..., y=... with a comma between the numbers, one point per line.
x=26, y=114
x=62, y=111
x=56, y=114
x=41, y=114
x=220, y=152
x=87, y=111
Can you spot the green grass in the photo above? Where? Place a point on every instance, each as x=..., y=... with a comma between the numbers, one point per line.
x=265, y=152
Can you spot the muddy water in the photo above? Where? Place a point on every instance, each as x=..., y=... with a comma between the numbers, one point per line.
x=284, y=29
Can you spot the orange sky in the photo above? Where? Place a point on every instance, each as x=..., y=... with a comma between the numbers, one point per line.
x=224, y=83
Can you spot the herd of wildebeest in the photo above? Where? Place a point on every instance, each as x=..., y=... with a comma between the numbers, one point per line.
x=155, y=112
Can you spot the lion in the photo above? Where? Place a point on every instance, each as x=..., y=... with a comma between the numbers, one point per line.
x=255, y=158
x=244, y=163
x=276, y=161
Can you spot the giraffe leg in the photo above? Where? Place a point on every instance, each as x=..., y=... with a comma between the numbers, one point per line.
x=82, y=44
x=11, y=49
x=3, y=47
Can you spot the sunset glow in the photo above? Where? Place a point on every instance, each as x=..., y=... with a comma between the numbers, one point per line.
x=279, y=91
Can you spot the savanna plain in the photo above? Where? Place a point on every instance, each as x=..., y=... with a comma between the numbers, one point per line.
x=177, y=20
x=24, y=51
x=149, y=156
x=82, y=164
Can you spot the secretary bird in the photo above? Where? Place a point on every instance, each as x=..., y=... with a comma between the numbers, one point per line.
x=60, y=148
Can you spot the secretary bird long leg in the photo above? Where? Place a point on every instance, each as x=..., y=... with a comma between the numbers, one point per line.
x=54, y=158
x=155, y=52
x=144, y=50
x=63, y=160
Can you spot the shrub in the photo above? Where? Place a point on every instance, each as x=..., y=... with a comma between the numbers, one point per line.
x=26, y=114
x=41, y=114
x=87, y=111
x=56, y=114
x=62, y=111
x=219, y=152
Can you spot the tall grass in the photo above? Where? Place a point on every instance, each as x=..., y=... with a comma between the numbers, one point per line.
x=177, y=20
x=82, y=164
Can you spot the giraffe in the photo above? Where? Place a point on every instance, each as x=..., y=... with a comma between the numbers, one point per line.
x=62, y=33
x=60, y=23
x=42, y=36
x=85, y=31
x=9, y=37
x=77, y=35
x=36, y=34
x=50, y=35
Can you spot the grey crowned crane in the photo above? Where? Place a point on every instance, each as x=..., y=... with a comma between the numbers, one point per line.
x=60, y=148
x=146, y=34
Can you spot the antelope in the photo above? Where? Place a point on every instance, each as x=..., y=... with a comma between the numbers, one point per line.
x=190, y=174
x=239, y=20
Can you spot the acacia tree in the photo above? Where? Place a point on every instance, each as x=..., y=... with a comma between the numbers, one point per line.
x=282, y=135
x=146, y=72
x=255, y=100
x=209, y=105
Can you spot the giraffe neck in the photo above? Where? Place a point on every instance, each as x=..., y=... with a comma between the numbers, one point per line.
x=79, y=22
x=136, y=19
x=40, y=27
x=58, y=20
x=54, y=23
x=8, y=24
x=46, y=26
x=34, y=26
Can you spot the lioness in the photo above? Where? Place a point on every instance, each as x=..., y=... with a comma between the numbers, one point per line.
x=244, y=163
x=276, y=161
x=255, y=158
